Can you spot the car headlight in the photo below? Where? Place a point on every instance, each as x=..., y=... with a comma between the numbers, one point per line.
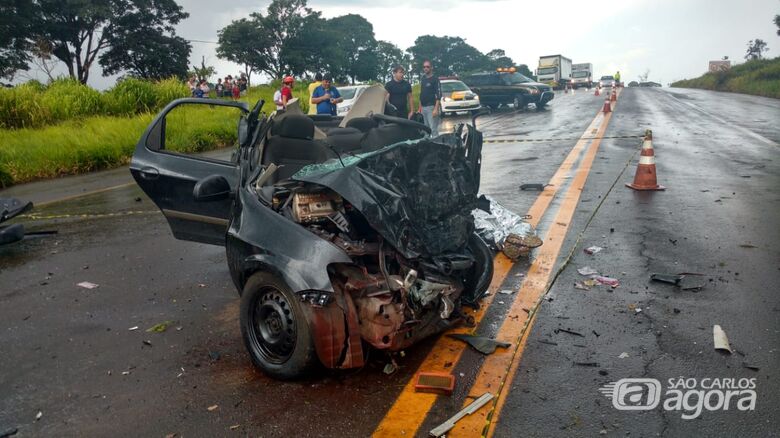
x=448, y=99
x=476, y=97
x=534, y=91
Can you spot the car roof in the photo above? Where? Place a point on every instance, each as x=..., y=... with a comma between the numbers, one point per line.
x=608, y=77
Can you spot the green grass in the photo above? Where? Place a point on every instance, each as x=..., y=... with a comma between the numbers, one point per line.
x=758, y=77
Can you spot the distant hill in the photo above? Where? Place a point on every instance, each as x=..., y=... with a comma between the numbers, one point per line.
x=759, y=77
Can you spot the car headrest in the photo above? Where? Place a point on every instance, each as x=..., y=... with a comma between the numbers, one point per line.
x=295, y=126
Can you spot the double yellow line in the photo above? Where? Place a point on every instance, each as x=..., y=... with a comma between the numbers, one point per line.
x=410, y=409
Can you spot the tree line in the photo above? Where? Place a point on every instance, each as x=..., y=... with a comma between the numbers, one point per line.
x=138, y=38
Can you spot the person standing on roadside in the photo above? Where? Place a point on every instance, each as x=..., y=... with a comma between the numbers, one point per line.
x=313, y=86
x=287, y=85
x=399, y=93
x=278, y=100
x=430, y=97
x=617, y=79
x=235, y=89
x=219, y=88
x=326, y=97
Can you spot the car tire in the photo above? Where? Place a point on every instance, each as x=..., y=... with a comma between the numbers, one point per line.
x=518, y=103
x=274, y=327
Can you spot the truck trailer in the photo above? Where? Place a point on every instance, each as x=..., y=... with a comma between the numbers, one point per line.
x=582, y=75
x=554, y=70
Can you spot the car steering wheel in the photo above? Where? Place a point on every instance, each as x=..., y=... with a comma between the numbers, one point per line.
x=401, y=121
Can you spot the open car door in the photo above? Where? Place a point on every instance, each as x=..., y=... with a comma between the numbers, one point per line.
x=166, y=164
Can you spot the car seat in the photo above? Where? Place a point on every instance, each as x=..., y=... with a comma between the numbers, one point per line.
x=291, y=146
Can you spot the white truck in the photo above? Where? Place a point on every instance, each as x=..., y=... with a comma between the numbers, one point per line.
x=554, y=70
x=582, y=75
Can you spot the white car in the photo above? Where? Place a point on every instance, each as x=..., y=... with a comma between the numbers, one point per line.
x=350, y=95
x=607, y=81
x=457, y=96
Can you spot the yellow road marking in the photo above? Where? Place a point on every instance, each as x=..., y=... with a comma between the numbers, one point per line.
x=498, y=370
x=410, y=409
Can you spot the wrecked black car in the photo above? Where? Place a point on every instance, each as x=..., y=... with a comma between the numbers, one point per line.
x=342, y=233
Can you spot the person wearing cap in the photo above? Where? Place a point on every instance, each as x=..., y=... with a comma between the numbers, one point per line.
x=326, y=97
x=313, y=86
x=287, y=85
x=399, y=93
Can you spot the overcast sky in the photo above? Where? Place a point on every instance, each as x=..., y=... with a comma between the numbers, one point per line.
x=672, y=39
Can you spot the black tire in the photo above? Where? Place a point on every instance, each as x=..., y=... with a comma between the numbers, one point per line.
x=274, y=328
x=540, y=106
x=518, y=103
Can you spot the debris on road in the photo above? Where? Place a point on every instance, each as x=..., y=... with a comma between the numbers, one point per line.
x=542, y=341
x=720, y=339
x=133, y=328
x=536, y=186
x=88, y=285
x=623, y=355
x=588, y=364
x=38, y=415
x=433, y=382
x=235, y=426
x=147, y=342
x=506, y=291
x=8, y=432
x=612, y=282
x=390, y=368
x=159, y=328
x=674, y=279
x=581, y=286
x=558, y=330
x=750, y=366
x=587, y=270
x=593, y=250
x=590, y=282
x=505, y=231
x=468, y=410
x=212, y=408
x=482, y=344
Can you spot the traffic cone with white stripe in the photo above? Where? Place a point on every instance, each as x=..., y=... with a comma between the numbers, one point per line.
x=597, y=93
x=607, y=107
x=613, y=97
x=645, y=178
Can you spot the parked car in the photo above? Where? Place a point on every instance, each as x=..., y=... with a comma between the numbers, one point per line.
x=505, y=86
x=350, y=95
x=607, y=81
x=338, y=239
x=457, y=96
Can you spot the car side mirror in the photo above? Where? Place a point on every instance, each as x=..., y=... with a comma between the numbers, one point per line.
x=212, y=188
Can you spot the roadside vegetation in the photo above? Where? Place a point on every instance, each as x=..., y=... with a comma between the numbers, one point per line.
x=760, y=77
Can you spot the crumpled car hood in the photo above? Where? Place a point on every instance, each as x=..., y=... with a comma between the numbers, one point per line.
x=417, y=194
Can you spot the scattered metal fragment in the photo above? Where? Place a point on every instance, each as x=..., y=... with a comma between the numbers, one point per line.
x=390, y=368
x=571, y=332
x=580, y=286
x=88, y=285
x=542, y=341
x=482, y=344
x=623, y=355
x=667, y=278
x=750, y=366
x=720, y=340
x=587, y=270
x=38, y=415
x=468, y=410
x=147, y=342
x=212, y=408
x=133, y=328
x=747, y=245
x=588, y=364
x=506, y=291
x=539, y=187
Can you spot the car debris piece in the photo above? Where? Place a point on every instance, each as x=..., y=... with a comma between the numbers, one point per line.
x=133, y=328
x=159, y=328
x=581, y=286
x=8, y=432
x=623, y=355
x=437, y=383
x=588, y=364
x=539, y=187
x=87, y=285
x=571, y=332
x=592, y=250
x=587, y=270
x=506, y=291
x=750, y=366
x=212, y=408
x=720, y=339
x=480, y=343
x=468, y=410
x=505, y=231
x=667, y=278
x=612, y=282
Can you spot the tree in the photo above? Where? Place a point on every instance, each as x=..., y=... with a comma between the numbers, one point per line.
x=755, y=49
x=239, y=42
x=387, y=56
x=777, y=23
x=204, y=71
x=284, y=32
x=16, y=28
x=78, y=31
x=498, y=58
x=643, y=77
x=449, y=55
x=147, y=55
x=355, y=47
x=525, y=71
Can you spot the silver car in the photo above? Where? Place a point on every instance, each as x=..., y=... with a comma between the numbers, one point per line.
x=607, y=81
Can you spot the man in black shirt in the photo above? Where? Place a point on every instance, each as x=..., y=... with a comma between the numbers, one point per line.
x=400, y=93
x=430, y=96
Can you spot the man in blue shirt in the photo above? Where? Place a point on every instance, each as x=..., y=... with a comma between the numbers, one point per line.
x=326, y=97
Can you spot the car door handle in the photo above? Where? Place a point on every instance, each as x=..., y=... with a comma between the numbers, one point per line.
x=149, y=173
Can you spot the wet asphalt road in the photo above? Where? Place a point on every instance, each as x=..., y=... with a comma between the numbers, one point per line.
x=69, y=353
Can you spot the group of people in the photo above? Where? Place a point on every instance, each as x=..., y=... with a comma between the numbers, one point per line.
x=324, y=96
x=230, y=88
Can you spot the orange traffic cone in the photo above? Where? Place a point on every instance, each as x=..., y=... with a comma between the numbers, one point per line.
x=597, y=92
x=607, y=107
x=613, y=97
x=645, y=178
